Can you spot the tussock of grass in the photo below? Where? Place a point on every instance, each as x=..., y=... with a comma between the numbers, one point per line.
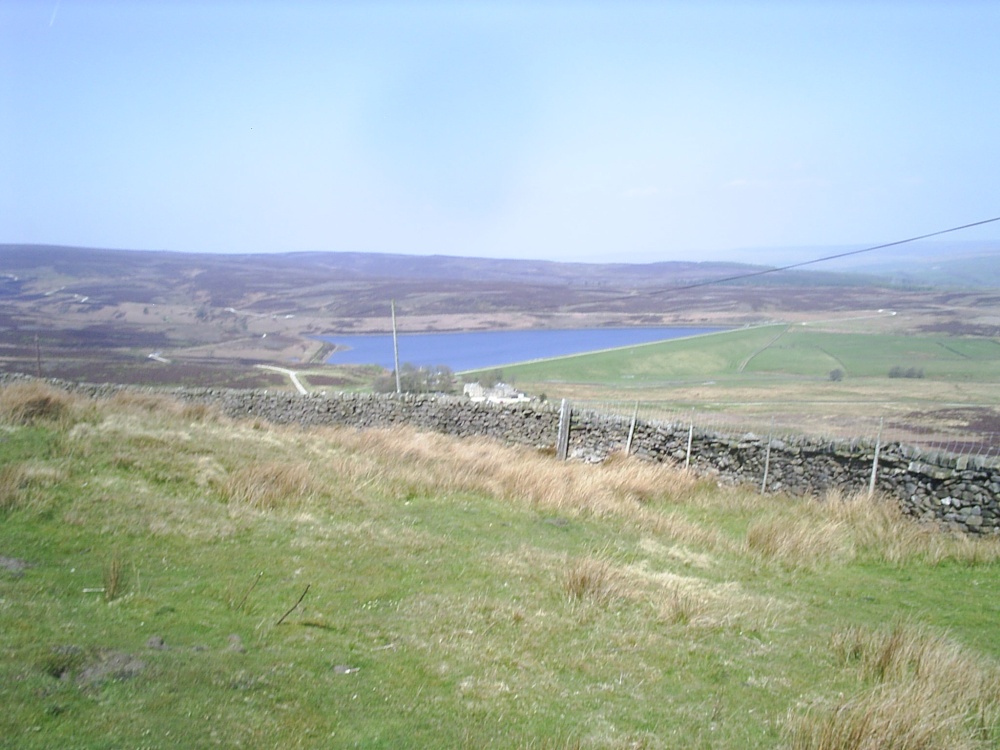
x=13, y=482
x=271, y=485
x=693, y=533
x=403, y=461
x=801, y=533
x=114, y=578
x=132, y=401
x=927, y=693
x=594, y=579
x=880, y=530
x=24, y=483
x=796, y=543
x=33, y=403
x=680, y=606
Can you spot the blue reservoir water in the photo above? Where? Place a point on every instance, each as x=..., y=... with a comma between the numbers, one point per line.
x=481, y=349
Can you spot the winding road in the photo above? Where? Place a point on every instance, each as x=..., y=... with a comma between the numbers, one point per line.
x=292, y=375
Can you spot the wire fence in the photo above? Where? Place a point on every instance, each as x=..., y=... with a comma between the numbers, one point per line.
x=811, y=420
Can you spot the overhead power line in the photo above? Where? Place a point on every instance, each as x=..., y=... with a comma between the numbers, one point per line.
x=789, y=267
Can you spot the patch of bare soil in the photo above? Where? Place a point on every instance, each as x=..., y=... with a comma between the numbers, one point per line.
x=110, y=666
x=91, y=668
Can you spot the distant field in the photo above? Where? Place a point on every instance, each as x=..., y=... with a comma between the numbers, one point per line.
x=700, y=356
x=802, y=351
x=774, y=350
x=780, y=376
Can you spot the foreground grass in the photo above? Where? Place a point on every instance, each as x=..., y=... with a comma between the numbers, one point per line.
x=169, y=578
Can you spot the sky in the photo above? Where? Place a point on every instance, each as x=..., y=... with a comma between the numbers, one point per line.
x=588, y=131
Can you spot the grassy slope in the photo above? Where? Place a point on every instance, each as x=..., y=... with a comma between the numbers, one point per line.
x=460, y=594
x=700, y=356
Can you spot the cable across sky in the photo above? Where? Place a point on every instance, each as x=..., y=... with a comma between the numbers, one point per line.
x=835, y=256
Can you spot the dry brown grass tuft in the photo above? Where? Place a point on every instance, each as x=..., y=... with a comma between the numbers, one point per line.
x=136, y=401
x=688, y=532
x=31, y=403
x=13, y=482
x=693, y=601
x=879, y=528
x=903, y=651
x=401, y=461
x=25, y=483
x=681, y=606
x=594, y=579
x=796, y=542
x=196, y=412
x=114, y=578
x=928, y=693
x=271, y=485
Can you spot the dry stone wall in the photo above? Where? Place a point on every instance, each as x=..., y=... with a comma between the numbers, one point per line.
x=960, y=492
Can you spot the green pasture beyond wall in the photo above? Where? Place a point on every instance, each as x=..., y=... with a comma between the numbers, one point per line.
x=794, y=350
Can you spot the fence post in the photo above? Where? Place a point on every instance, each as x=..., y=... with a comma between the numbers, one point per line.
x=687, y=459
x=767, y=458
x=562, y=441
x=631, y=430
x=878, y=446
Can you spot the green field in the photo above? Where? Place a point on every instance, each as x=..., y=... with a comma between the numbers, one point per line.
x=788, y=351
x=169, y=578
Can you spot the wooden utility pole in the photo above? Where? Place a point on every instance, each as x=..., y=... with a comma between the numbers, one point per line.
x=395, y=348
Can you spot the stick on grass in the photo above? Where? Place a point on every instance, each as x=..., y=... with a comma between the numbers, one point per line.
x=253, y=585
x=294, y=606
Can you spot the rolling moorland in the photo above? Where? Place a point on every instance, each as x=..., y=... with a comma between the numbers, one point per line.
x=204, y=310
x=161, y=318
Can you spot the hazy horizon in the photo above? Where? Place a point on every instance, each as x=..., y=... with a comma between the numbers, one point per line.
x=572, y=131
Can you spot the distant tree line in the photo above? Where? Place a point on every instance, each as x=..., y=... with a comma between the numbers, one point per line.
x=489, y=378
x=413, y=379
x=909, y=372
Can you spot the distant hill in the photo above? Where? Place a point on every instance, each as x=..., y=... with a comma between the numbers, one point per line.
x=168, y=266
x=979, y=270
x=974, y=265
x=125, y=315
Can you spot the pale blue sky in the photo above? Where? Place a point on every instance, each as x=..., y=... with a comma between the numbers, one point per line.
x=626, y=131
